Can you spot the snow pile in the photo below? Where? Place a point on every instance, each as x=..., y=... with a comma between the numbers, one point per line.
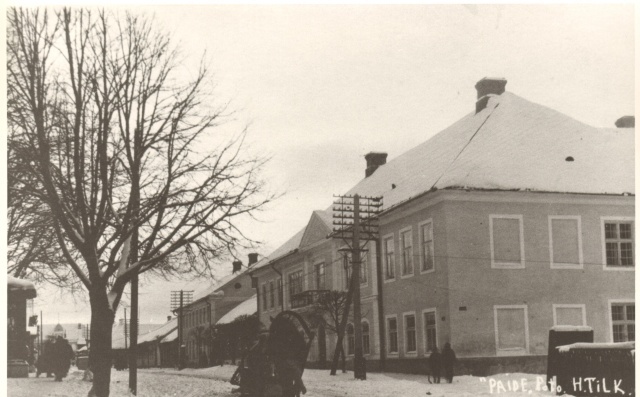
x=571, y=328
x=618, y=345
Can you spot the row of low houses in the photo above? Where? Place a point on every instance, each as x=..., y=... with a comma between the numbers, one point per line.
x=512, y=220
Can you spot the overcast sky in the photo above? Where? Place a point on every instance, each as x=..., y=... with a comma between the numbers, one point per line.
x=321, y=86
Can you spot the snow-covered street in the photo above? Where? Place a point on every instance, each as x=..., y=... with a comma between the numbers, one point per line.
x=214, y=382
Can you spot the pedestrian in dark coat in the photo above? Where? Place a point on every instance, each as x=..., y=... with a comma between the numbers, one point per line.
x=43, y=363
x=62, y=355
x=448, y=360
x=435, y=364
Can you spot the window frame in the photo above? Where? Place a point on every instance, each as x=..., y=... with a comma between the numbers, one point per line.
x=616, y=219
x=280, y=292
x=265, y=303
x=405, y=315
x=351, y=340
x=403, y=257
x=611, y=303
x=513, y=351
x=421, y=225
x=272, y=296
x=507, y=265
x=582, y=306
x=424, y=329
x=562, y=265
x=301, y=282
x=385, y=257
x=388, y=336
x=366, y=348
x=316, y=267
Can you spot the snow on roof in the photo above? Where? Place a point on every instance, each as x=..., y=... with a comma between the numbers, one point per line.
x=216, y=286
x=159, y=332
x=19, y=285
x=289, y=246
x=171, y=336
x=246, y=308
x=512, y=144
x=618, y=345
x=117, y=334
x=570, y=328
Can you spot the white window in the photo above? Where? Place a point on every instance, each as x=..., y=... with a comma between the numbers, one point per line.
x=264, y=297
x=507, y=241
x=406, y=245
x=366, y=349
x=348, y=264
x=389, y=259
x=279, y=284
x=410, y=345
x=569, y=315
x=618, y=241
x=427, y=256
x=511, y=330
x=392, y=332
x=295, y=283
x=565, y=242
x=623, y=321
x=430, y=330
x=272, y=295
x=321, y=279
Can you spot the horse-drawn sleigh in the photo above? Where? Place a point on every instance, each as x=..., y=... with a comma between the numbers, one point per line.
x=273, y=366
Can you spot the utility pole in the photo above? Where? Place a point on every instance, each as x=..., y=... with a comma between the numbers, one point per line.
x=356, y=223
x=178, y=300
x=125, y=329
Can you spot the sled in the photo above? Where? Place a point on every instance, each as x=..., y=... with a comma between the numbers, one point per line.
x=273, y=367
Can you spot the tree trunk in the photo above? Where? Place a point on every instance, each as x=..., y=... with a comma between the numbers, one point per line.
x=344, y=360
x=100, y=355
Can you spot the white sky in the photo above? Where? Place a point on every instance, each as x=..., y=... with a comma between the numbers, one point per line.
x=324, y=85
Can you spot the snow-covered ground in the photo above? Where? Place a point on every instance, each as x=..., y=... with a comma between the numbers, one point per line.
x=214, y=382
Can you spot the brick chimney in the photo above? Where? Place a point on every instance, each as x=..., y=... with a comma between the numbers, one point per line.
x=626, y=122
x=488, y=86
x=374, y=160
x=237, y=266
x=253, y=258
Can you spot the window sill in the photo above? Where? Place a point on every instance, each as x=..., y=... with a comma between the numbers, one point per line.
x=500, y=265
x=407, y=275
x=619, y=268
x=427, y=271
x=573, y=266
x=389, y=280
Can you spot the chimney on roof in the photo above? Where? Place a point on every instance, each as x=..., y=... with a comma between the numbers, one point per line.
x=253, y=258
x=374, y=160
x=168, y=318
x=488, y=86
x=626, y=122
x=237, y=266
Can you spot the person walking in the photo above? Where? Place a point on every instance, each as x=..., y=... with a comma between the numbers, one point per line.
x=43, y=363
x=435, y=364
x=61, y=358
x=448, y=360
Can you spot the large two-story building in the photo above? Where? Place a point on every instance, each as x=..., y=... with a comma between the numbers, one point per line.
x=512, y=220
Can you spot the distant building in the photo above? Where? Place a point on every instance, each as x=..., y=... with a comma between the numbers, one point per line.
x=209, y=306
x=512, y=220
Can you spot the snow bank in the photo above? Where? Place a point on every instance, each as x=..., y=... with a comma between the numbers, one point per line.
x=571, y=328
x=619, y=345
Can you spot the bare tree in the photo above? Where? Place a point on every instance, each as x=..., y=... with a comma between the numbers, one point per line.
x=124, y=154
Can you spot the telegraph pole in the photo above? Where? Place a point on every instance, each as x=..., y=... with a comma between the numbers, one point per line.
x=357, y=225
x=178, y=300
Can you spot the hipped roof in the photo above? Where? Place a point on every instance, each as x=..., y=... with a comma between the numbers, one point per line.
x=511, y=145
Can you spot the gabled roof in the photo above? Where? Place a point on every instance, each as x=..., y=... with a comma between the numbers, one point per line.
x=512, y=144
x=159, y=332
x=319, y=226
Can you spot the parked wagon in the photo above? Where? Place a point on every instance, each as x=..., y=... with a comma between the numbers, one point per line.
x=274, y=365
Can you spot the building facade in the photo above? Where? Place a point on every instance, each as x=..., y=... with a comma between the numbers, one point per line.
x=513, y=220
